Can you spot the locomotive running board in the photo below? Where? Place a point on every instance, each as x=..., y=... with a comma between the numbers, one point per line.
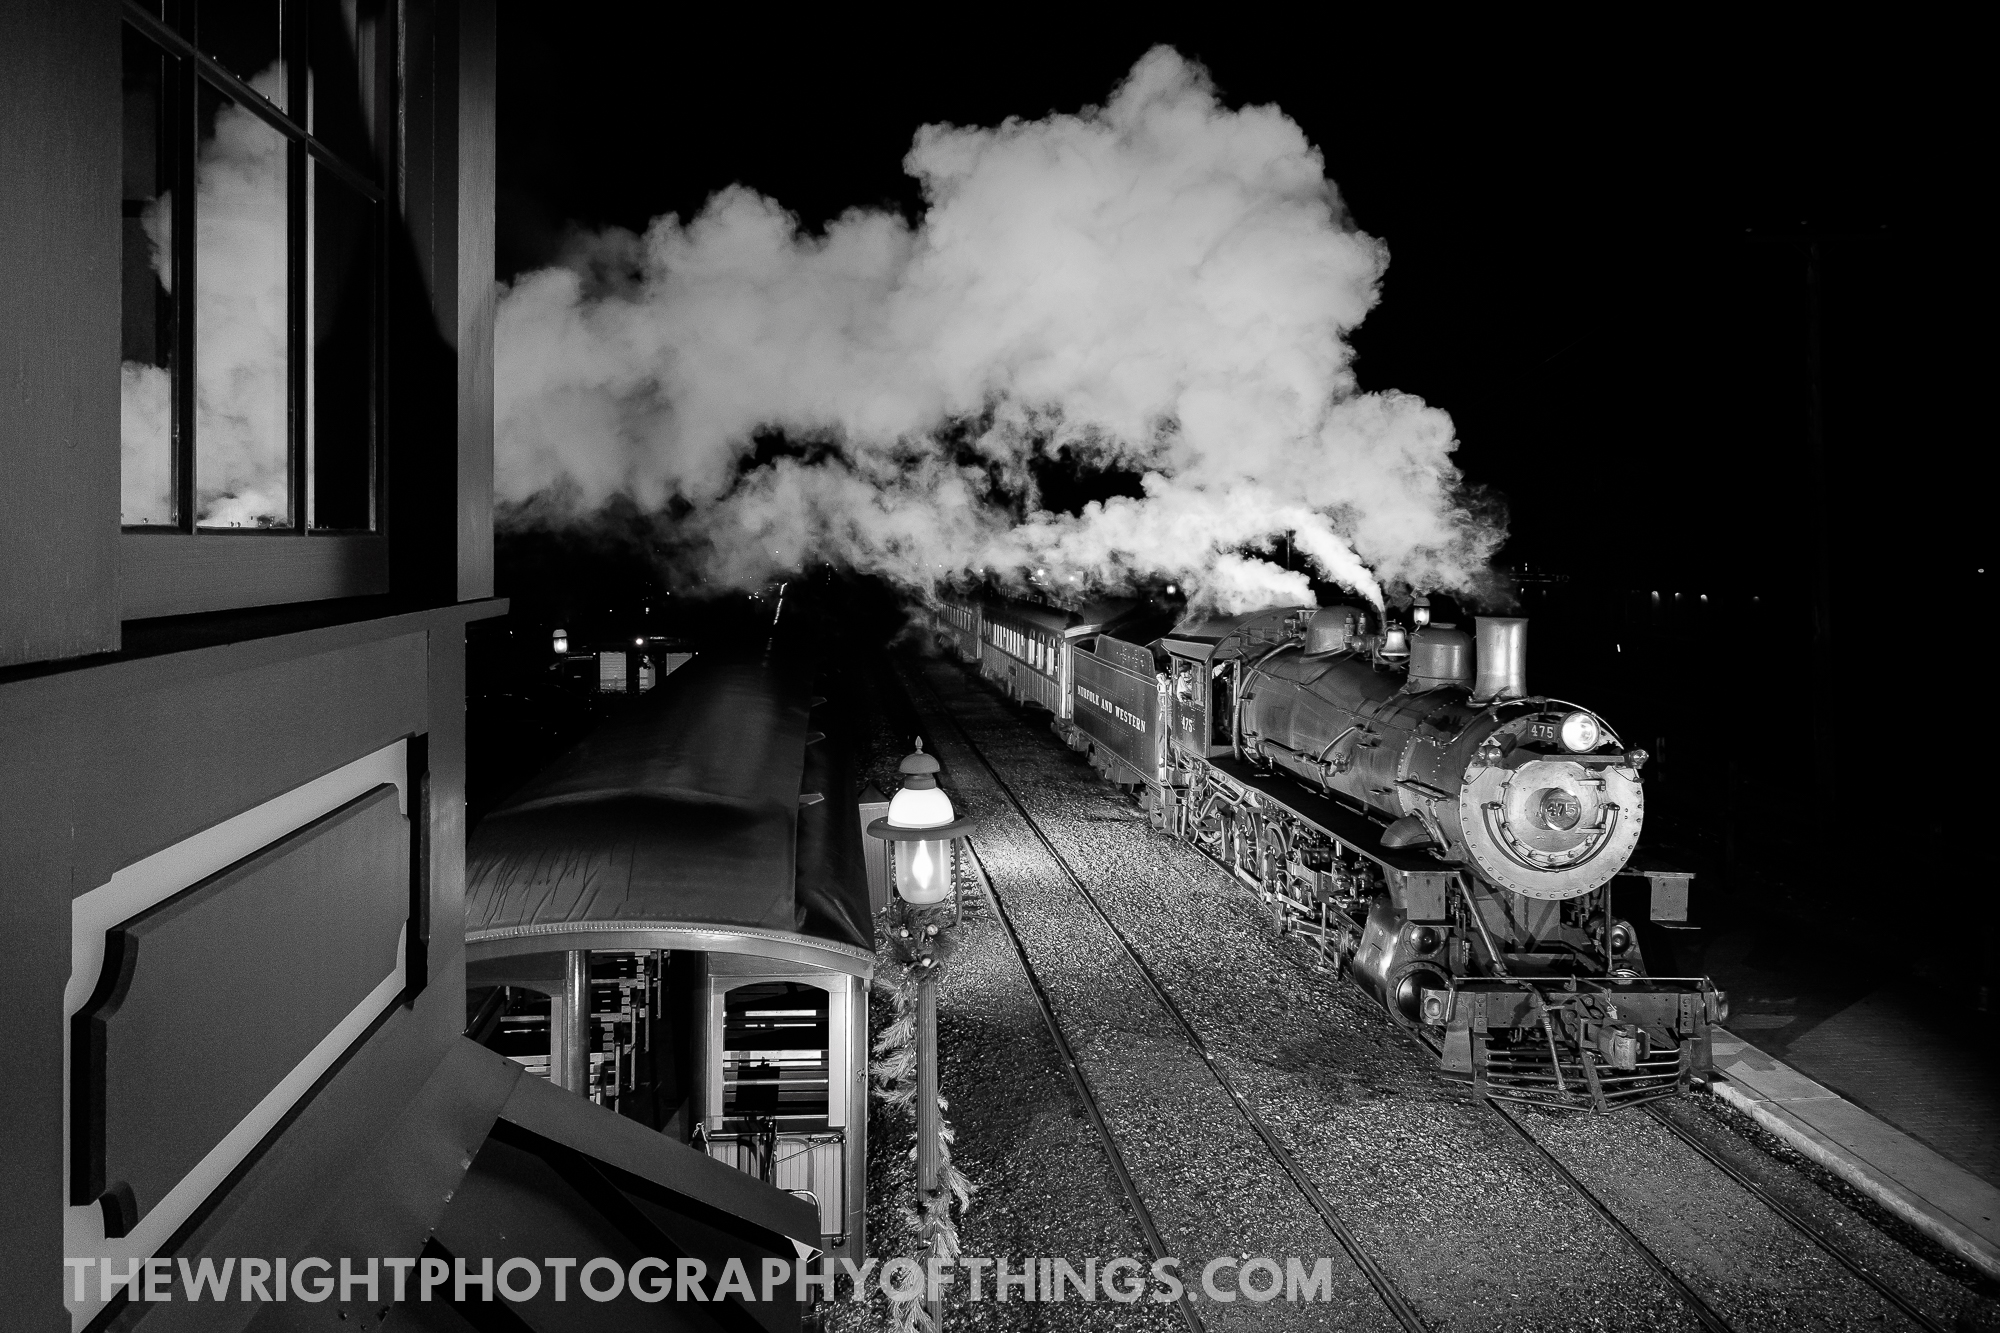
x=1346, y=826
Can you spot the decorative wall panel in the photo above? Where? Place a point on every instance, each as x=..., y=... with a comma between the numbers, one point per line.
x=209, y=999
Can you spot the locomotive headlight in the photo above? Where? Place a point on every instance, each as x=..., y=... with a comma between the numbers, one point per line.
x=1580, y=733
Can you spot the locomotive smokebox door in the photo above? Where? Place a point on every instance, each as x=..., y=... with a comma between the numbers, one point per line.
x=783, y=1084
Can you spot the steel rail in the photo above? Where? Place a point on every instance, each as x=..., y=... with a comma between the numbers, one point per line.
x=1703, y=1311
x=1384, y=1286
x=1081, y=1085
x=1797, y=1222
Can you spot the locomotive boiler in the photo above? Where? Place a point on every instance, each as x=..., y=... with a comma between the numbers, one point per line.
x=1544, y=805
x=1459, y=846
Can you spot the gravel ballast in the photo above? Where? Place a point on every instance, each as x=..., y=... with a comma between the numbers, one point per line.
x=1473, y=1227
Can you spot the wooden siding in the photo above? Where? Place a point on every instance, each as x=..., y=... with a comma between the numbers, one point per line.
x=112, y=753
x=60, y=126
x=478, y=294
x=102, y=766
x=175, y=574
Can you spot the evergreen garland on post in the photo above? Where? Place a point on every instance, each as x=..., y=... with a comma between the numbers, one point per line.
x=919, y=939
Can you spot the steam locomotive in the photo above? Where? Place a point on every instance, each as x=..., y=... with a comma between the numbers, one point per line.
x=1461, y=848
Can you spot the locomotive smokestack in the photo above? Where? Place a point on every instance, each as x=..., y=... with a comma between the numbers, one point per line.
x=1503, y=658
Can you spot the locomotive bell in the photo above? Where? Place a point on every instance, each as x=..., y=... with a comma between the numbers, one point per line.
x=1503, y=658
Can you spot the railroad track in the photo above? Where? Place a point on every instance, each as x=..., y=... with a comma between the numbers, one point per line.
x=1384, y=1287
x=1793, y=1219
x=1083, y=1090
x=1702, y=1310
x=1379, y=1280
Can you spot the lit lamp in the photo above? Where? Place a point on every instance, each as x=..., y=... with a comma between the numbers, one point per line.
x=923, y=830
x=562, y=640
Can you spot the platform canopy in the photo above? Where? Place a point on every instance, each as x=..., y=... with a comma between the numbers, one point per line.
x=709, y=815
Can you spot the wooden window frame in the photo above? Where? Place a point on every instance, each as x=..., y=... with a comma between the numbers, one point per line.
x=189, y=569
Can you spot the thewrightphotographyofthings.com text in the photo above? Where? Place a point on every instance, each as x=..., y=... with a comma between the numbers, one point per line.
x=1223, y=1279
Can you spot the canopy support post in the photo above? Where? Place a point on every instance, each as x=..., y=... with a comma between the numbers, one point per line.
x=574, y=1074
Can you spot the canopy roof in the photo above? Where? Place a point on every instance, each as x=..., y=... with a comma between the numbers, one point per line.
x=679, y=824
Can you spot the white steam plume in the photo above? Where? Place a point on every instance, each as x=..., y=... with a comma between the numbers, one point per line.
x=242, y=400
x=1160, y=284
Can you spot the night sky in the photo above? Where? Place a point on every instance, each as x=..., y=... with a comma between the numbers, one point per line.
x=1595, y=238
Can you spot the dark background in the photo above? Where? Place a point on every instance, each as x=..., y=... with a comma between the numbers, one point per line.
x=1596, y=262
x=1598, y=238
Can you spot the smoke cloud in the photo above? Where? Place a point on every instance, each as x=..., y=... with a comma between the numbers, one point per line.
x=1160, y=285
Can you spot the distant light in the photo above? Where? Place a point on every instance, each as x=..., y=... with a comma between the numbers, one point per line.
x=1704, y=597
x=1171, y=590
x=1621, y=647
x=638, y=643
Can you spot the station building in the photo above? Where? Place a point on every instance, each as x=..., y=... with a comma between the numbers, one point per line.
x=245, y=520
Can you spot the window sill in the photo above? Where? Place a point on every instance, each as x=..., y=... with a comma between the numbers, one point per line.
x=176, y=574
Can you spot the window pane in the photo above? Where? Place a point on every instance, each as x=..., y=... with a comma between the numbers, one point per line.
x=241, y=328
x=340, y=419
x=146, y=377
x=246, y=37
x=343, y=67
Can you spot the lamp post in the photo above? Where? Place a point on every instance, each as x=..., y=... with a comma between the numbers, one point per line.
x=923, y=832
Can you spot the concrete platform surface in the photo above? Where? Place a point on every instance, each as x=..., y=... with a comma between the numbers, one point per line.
x=1937, y=1196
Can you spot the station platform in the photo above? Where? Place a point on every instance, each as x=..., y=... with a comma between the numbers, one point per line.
x=1954, y=1206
